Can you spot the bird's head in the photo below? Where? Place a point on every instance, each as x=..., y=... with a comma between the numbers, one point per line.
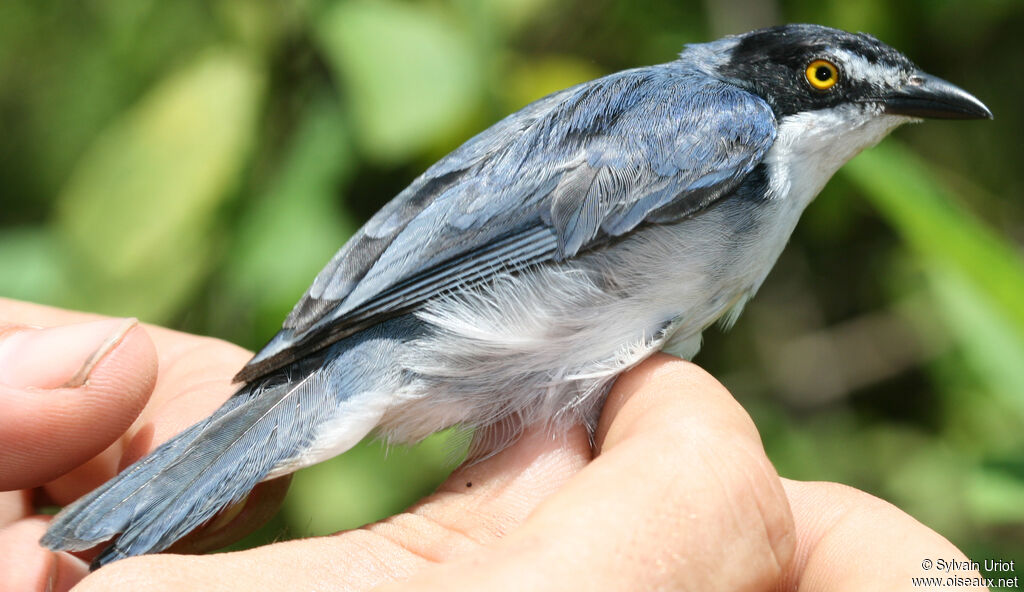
x=833, y=94
x=803, y=68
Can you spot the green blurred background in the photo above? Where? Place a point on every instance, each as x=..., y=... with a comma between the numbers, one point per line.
x=194, y=163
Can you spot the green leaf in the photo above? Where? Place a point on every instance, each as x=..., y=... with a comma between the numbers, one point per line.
x=137, y=214
x=409, y=73
x=976, y=277
x=529, y=80
x=32, y=266
x=926, y=215
x=501, y=17
x=367, y=483
x=991, y=346
x=995, y=496
x=291, y=231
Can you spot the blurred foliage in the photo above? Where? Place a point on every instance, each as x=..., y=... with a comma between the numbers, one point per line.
x=194, y=163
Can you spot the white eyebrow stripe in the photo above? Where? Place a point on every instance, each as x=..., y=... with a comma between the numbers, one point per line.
x=858, y=68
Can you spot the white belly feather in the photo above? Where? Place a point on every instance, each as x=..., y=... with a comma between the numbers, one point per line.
x=545, y=345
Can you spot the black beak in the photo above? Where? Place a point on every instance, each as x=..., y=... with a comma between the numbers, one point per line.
x=925, y=95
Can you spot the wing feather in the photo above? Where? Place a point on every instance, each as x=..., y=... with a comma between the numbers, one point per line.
x=563, y=176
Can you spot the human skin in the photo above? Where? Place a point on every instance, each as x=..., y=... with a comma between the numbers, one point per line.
x=676, y=492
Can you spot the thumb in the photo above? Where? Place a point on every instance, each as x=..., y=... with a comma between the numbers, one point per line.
x=67, y=393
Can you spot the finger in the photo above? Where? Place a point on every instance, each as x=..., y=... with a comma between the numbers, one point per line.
x=14, y=505
x=25, y=565
x=67, y=393
x=192, y=350
x=680, y=496
x=476, y=506
x=195, y=379
x=238, y=520
x=482, y=502
x=850, y=540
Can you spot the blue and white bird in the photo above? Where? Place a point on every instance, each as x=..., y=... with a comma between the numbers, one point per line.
x=518, y=276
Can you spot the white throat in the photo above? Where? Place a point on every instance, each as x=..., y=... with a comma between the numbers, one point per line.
x=810, y=147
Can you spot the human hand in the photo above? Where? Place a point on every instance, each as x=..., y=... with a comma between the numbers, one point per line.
x=677, y=493
x=78, y=402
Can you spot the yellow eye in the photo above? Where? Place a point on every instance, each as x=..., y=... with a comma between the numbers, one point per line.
x=822, y=75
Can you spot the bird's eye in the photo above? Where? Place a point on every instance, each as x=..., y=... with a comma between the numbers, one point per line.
x=822, y=74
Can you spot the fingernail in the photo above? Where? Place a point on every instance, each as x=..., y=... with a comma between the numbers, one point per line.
x=58, y=356
x=51, y=578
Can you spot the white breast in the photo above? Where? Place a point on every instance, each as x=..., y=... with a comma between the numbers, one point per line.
x=545, y=344
x=810, y=147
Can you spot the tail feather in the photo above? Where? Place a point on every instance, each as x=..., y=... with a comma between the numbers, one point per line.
x=85, y=523
x=187, y=480
x=313, y=410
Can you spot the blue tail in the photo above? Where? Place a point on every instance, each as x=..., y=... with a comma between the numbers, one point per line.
x=267, y=427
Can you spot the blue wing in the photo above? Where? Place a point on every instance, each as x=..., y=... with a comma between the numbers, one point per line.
x=564, y=175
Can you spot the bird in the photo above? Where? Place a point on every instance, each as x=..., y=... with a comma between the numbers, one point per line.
x=516, y=278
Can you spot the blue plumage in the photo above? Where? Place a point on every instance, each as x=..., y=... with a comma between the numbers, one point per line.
x=215, y=463
x=568, y=173
x=516, y=278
